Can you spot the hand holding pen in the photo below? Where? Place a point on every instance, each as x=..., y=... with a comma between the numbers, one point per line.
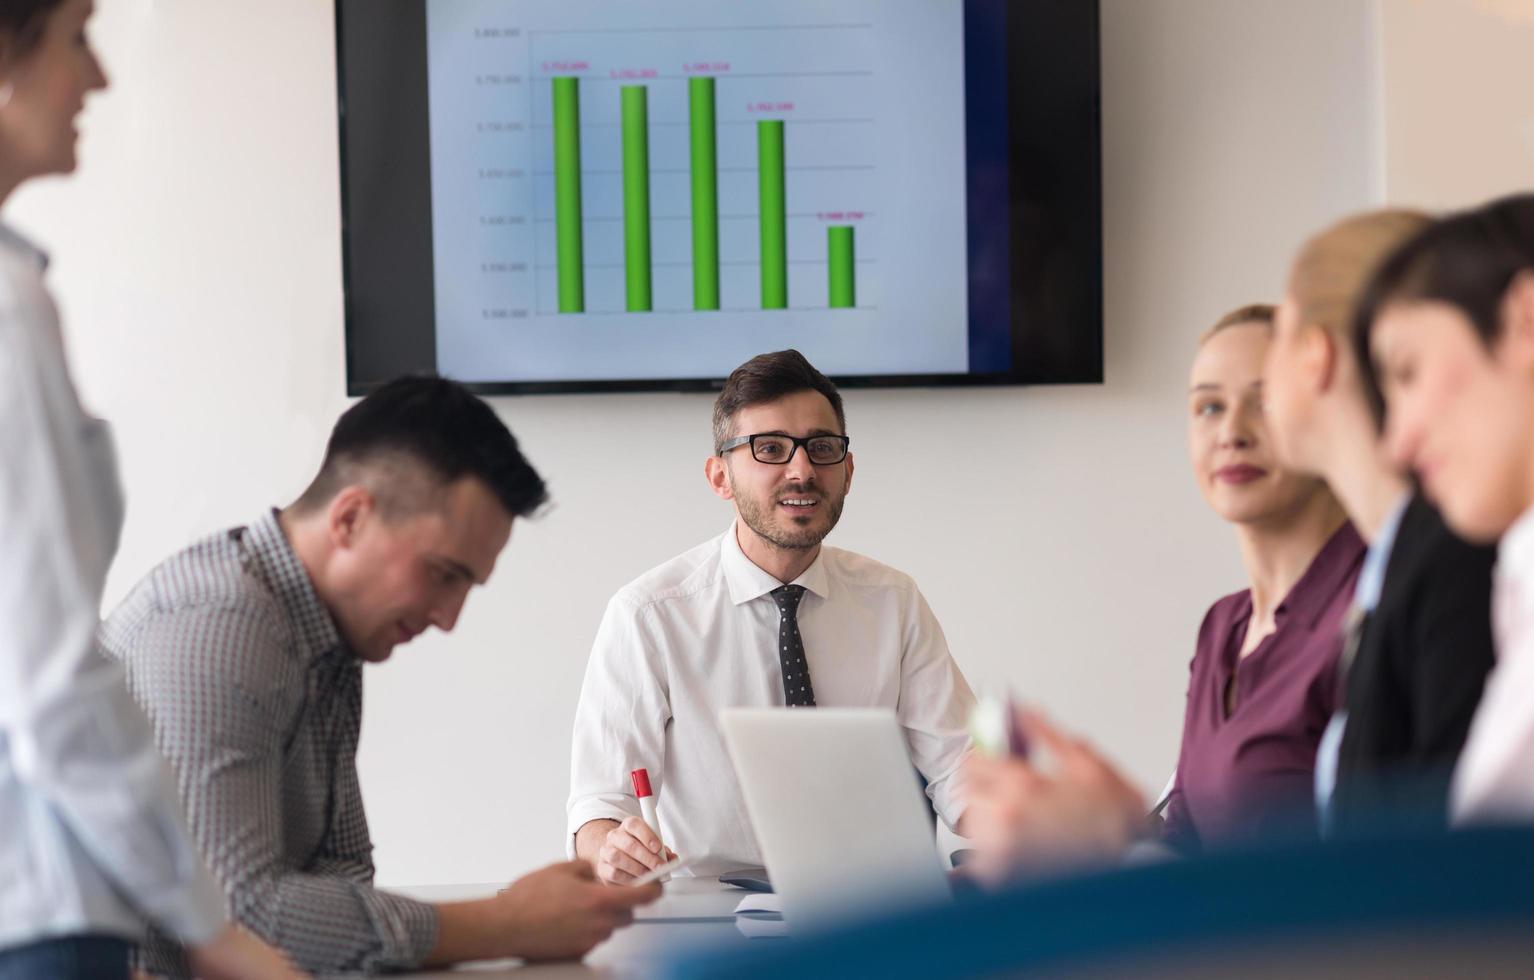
x=1028, y=814
x=633, y=847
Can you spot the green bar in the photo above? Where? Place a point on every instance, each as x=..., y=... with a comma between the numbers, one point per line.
x=705, y=196
x=636, y=197
x=839, y=251
x=567, y=195
x=774, y=214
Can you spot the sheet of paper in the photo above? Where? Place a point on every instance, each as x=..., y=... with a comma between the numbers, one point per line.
x=760, y=902
x=760, y=916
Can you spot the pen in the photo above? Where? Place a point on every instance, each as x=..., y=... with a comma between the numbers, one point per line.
x=641, y=778
x=996, y=728
x=1017, y=739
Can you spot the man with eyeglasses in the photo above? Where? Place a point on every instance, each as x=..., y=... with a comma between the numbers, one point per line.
x=762, y=615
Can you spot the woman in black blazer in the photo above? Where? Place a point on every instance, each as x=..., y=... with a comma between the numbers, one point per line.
x=1418, y=646
x=1422, y=658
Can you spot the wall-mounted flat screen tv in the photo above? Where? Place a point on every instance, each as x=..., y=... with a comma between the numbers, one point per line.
x=592, y=195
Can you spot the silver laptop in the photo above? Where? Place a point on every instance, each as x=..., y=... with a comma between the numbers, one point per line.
x=843, y=826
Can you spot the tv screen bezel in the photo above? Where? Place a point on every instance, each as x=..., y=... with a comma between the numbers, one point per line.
x=1054, y=235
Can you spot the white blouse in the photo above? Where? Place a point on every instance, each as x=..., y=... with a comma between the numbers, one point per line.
x=1494, y=780
x=92, y=839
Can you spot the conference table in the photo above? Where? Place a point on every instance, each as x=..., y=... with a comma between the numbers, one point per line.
x=692, y=912
x=699, y=913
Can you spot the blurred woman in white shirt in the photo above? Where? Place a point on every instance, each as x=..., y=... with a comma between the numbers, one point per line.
x=92, y=842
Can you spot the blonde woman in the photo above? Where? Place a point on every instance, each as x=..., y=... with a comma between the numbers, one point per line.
x=1420, y=645
x=1263, y=681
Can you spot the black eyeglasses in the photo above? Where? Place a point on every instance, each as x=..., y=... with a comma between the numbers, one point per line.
x=777, y=449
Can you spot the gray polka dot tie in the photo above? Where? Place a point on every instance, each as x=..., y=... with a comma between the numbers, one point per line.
x=798, y=692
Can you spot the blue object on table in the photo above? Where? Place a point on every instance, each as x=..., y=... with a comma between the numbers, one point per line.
x=1406, y=884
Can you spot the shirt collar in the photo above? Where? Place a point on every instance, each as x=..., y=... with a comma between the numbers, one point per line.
x=747, y=581
x=288, y=579
x=1326, y=575
x=1371, y=578
x=14, y=240
x=1515, y=552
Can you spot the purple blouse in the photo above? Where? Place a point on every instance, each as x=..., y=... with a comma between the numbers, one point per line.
x=1251, y=773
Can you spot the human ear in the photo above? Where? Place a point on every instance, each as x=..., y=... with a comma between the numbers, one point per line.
x=1515, y=342
x=1318, y=355
x=717, y=471
x=349, y=511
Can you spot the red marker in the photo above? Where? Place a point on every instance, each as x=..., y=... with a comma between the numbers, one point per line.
x=642, y=790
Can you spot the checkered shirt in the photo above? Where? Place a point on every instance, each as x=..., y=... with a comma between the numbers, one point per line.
x=257, y=703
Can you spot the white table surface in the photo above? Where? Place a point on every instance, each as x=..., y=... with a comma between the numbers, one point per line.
x=691, y=912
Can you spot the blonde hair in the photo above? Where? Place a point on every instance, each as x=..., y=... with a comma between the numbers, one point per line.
x=1333, y=267
x=1261, y=314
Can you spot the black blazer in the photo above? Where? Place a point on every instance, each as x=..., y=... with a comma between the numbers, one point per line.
x=1422, y=659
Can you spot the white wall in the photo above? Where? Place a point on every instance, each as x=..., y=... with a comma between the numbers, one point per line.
x=1055, y=530
x=1459, y=100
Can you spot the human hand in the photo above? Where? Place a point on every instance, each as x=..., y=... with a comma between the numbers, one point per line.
x=629, y=850
x=562, y=911
x=1080, y=811
x=236, y=954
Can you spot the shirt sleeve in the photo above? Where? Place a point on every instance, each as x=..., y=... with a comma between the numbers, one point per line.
x=1178, y=831
x=211, y=687
x=75, y=736
x=934, y=709
x=620, y=722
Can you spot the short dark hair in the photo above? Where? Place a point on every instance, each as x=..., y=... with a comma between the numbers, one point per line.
x=766, y=378
x=22, y=23
x=1467, y=260
x=426, y=423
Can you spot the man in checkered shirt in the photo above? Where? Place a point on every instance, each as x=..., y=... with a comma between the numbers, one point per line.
x=246, y=650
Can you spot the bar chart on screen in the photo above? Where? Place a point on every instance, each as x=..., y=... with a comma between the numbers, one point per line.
x=680, y=182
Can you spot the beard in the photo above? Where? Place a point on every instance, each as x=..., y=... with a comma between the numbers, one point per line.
x=789, y=533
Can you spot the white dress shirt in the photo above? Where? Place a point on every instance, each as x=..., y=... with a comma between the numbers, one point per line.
x=699, y=634
x=1494, y=780
x=91, y=833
